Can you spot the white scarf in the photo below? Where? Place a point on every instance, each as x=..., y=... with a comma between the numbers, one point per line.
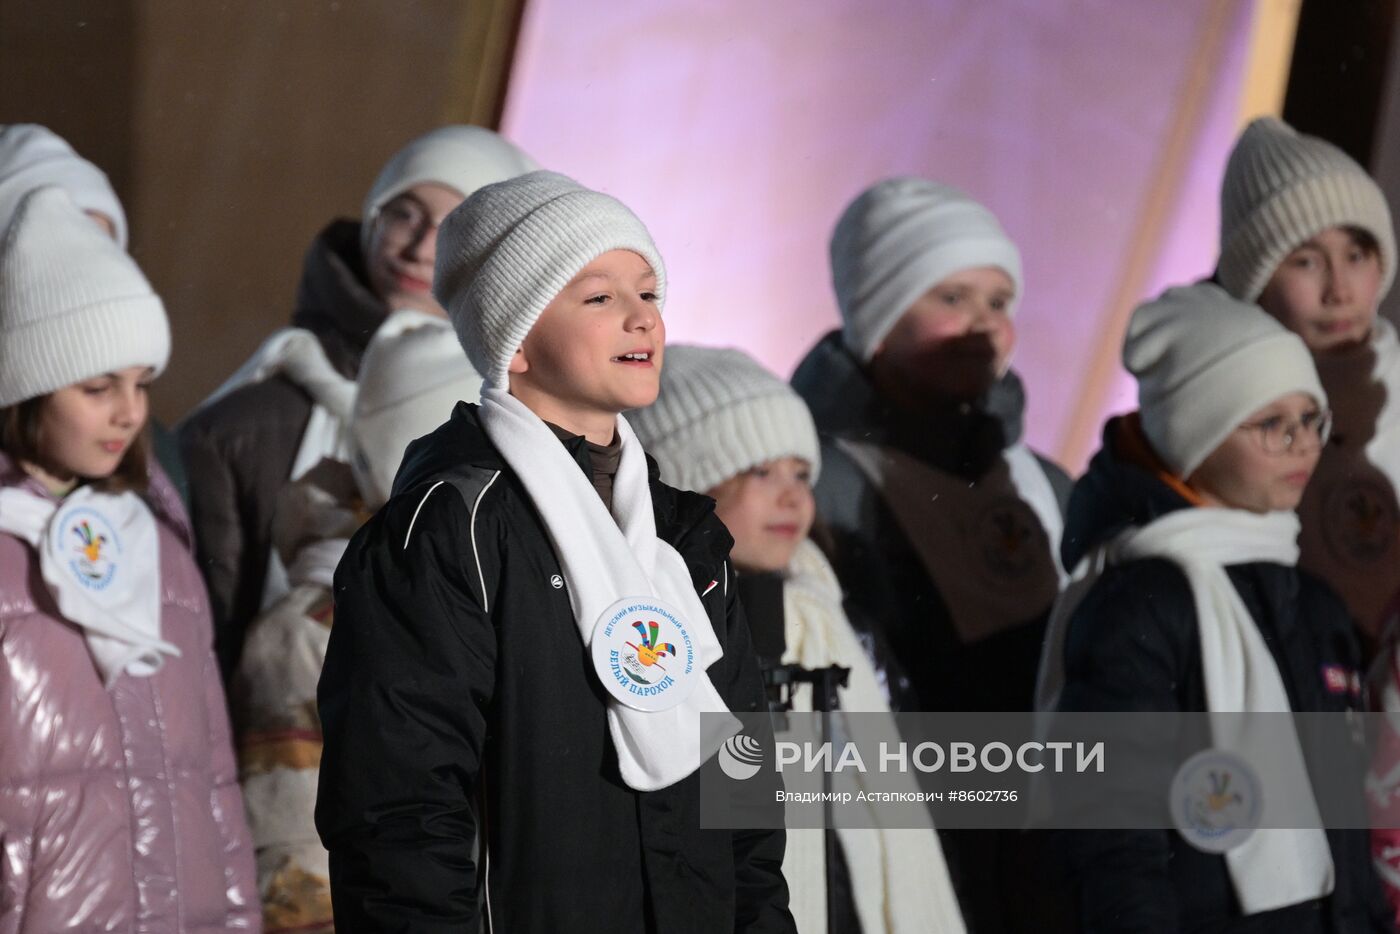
x=1273, y=867
x=99, y=554
x=899, y=879
x=606, y=558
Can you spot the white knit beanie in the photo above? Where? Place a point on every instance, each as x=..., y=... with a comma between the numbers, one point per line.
x=1282, y=188
x=73, y=305
x=463, y=158
x=412, y=376
x=32, y=156
x=1204, y=363
x=510, y=248
x=900, y=238
x=719, y=414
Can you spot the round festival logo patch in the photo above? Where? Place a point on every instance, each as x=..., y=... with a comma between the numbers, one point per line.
x=1360, y=524
x=1009, y=539
x=644, y=654
x=90, y=547
x=1215, y=801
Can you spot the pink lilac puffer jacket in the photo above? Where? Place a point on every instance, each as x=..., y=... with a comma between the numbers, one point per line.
x=119, y=809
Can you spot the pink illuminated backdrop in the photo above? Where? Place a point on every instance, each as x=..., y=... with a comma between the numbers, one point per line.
x=1096, y=130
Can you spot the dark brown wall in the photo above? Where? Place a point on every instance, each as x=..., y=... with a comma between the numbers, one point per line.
x=235, y=131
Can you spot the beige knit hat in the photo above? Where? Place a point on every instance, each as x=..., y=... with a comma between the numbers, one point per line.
x=510, y=248
x=73, y=305
x=1281, y=188
x=718, y=414
x=1204, y=363
x=32, y=156
x=413, y=375
x=900, y=238
x=463, y=158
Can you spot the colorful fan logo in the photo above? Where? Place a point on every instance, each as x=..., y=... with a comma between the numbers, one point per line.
x=92, y=543
x=644, y=654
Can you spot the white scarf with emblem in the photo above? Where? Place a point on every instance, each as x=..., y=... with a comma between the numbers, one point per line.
x=991, y=547
x=606, y=558
x=99, y=555
x=1273, y=867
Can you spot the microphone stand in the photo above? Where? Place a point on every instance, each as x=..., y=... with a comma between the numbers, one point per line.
x=781, y=681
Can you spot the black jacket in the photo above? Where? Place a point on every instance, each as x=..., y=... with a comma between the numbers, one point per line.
x=457, y=697
x=887, y=585
x=239, y=450
x=1133, y=644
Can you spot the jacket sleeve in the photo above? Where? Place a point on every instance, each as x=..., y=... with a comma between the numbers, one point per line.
x=760, y=890
x=240, y=874
x=403, y=698
x=218, y=532
x=1121, y=654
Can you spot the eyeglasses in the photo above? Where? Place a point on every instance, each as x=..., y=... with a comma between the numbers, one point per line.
x=1278, y=434
x=407, y=218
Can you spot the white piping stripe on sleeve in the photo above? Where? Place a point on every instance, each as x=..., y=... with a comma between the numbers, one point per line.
x=481, y=578
x=414, y=520
x=726, y=579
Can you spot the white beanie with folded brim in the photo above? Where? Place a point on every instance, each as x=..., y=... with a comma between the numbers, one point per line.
x=720, y=413
x=412, y=376
x=1204, y=363
x=506, y=251
x=1282, y=188
x=32, y=156
x=900, y=238
x=462, y=158
x=73, y=304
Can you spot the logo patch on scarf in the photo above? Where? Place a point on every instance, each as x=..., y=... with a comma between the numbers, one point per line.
x=1360, y=524
x=1215, y=801
x=92, y=547
x=1010, y=540
x=644, y=654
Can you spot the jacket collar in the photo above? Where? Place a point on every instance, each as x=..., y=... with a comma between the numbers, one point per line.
x=963, y=439
x=334, y=300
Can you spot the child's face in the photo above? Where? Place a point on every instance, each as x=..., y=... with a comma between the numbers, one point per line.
x=955, y=341
x=1255, y=467
x=597, y=348
x=403, y=245
x=86, y=429
x=768, y=510
x=1326, y=291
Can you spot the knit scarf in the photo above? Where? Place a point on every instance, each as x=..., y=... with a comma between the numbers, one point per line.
x=605, y=559
x=99, y=555
x=1272, y=867
x=899, y=879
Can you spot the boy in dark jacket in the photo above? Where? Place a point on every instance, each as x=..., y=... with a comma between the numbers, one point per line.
x=505, y=745
x=1187, y=598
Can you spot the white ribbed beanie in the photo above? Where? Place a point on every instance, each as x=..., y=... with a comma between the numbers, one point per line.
x=1204, y=363
x=412, y=376
x=511, y=247
x=32, y=156
x=73, y=305
x=1281, y=188
x=900, y=238
x=720, y=413
x=463, y=158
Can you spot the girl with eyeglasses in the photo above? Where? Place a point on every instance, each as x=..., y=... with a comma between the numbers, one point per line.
x=1186, y=597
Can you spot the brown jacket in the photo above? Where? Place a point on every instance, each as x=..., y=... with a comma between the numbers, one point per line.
x=239, y=450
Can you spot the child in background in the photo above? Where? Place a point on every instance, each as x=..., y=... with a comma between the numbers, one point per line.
x=284, y=409
x=725, y=426
x=483, y=757
x=1307, y=234
x=118, y=795
x=1187, y=599
x=945, y=526
x=413, y=374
